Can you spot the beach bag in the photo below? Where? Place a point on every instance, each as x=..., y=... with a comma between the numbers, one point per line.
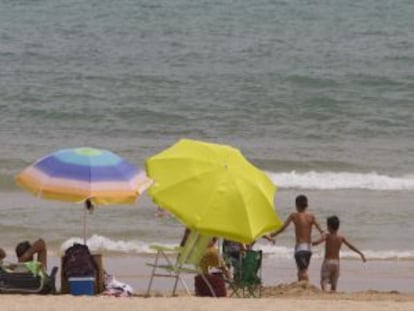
x=27, y=282
x=78, y=262
x=216, y=281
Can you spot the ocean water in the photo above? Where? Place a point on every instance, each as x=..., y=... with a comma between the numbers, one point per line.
x=319, y=94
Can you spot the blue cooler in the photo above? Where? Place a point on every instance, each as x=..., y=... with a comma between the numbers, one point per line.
x=82, y=286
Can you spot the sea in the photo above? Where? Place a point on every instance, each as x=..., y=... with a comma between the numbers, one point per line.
x=318, y=94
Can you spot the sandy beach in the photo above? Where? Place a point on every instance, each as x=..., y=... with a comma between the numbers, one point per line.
x=288, y=296
x=291, y=298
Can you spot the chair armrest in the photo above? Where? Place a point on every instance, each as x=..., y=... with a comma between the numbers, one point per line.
x=163, y=248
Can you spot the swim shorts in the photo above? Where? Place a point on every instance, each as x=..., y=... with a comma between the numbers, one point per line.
x=303, y=259
x=330, y=272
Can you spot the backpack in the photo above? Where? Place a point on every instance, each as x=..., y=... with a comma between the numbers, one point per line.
x=78, y=262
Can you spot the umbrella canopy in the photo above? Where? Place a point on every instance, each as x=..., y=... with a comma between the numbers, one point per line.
x=89, y=175
x=78, y=174
x=214, y=189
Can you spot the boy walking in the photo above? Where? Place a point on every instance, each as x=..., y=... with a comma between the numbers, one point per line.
x=303, y=222
x=333, y=242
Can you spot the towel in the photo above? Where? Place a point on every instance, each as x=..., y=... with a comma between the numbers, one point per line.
x=113, y=287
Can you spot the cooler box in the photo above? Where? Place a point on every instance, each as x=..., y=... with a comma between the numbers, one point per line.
x=82, y=286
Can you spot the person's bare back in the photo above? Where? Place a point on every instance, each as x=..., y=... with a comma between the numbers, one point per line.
x=303, y=222
x=333, y=243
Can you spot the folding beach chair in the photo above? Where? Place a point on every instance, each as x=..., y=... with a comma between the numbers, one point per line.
x=249, y=281
x=187, y=260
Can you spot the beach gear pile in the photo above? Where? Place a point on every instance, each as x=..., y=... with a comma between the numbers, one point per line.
x=113, y=287
x=78, y=262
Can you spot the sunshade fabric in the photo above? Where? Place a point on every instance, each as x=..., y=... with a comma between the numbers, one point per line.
x=78, y=174
x=214, y=189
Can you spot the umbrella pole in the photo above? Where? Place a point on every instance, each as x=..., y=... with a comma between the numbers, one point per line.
x=85, y=214
x=88, y=208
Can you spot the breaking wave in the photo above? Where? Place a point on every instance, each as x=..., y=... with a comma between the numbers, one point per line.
x=341, y=180
x=109, y=246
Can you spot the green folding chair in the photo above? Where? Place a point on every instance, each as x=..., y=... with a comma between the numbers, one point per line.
x=249, y=281
x=187, y=260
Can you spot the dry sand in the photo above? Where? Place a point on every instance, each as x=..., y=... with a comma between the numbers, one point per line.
x=286, y=297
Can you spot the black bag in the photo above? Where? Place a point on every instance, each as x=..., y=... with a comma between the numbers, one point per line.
x=78, y=262
x=27, y=283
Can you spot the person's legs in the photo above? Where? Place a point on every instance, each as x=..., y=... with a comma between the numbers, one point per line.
x=329, y=273
x=324, y=276
x=303, y=275
x=334, y=276
x=323, y=288
x=302, y=261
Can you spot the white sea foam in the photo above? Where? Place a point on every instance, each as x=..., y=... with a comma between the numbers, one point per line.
x=101, y=243
x=282, y=252
x=341, y=180
x=104, y=244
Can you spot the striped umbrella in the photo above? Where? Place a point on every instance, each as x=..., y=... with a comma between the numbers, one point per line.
x=84, y=174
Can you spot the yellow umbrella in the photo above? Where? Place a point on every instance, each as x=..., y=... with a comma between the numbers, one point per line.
x=214, y=189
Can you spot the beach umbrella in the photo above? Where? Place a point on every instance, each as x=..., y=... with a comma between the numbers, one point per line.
x=88, y=175
x=214, y=189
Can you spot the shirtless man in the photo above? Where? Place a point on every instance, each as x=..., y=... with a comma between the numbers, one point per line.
x=333, y=242
x=304, y=223
x=25, y=251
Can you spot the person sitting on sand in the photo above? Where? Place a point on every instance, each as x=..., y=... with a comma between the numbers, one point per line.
x=211, y=257
x=232, y=252
x=25, y=251
x=303, y=222
x=213, y=260
x=333, y=242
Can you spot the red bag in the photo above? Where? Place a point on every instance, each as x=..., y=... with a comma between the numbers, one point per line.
x=216, y=281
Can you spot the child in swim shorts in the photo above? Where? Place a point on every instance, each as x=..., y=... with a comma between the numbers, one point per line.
x=333, y=242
